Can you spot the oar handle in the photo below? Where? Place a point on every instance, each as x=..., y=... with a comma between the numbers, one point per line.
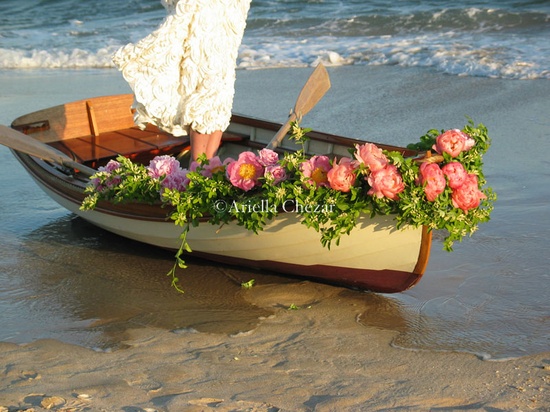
x=315, y=88
x=278, y=138
x=23, y=143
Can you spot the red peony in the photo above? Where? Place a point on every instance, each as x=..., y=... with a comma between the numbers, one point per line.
x=433, y=180
x=468, y=196
x=386, y=182
x=453, y=142
x=342, y=175
x=456, y=174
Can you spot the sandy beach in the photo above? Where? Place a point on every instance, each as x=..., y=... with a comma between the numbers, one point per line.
x=316, y=358
x=339, y=350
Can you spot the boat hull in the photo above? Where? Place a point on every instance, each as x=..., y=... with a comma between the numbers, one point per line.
x=375, y=256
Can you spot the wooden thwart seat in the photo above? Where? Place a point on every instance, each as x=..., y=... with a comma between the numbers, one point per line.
x=124, y=142
x=101, y=128
x=94, y=150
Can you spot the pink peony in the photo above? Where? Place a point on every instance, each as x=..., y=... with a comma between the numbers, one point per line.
x=468, y=196
x=386, y=182
x=342, y=175
x=275, y=172
x=214, y=165
x=176, y=180
x=162, y=166
x=456, y=174
x=315, y=170
x=268, y=157
x=111, y=180
x=96, y=183
x=245, y=171
x=433, y=179
x=194, y=166
x=110, y=167
x=372, y=156
x=453, y=142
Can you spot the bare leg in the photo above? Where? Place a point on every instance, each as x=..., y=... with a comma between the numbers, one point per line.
x=204, y=143
x=213, y=144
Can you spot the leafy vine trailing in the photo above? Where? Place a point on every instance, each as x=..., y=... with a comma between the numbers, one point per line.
x=446, y=191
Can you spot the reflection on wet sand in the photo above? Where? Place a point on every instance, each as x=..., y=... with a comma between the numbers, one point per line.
x=81, y=284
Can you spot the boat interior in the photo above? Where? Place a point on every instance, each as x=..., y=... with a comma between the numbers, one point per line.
x=96, y=130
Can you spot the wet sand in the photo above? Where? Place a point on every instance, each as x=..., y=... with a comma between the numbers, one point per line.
x=316, y=358
x=115, y=337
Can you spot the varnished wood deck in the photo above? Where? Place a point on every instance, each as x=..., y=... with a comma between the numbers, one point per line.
x=94, y=150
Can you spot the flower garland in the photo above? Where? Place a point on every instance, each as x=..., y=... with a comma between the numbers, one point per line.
x=446, y=191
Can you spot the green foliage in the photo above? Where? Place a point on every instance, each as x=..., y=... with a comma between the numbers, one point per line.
x=413, y=208
x=332, y=213
x=248, y=285
x=128, y=183
x=425, y=142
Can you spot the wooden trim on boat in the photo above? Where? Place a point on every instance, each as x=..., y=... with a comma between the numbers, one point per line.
x=319, y=136
x=72, y=189
x=386, y=281
x=72, y=119
x=425, y=249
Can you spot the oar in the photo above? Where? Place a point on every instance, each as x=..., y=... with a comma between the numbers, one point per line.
x=22, y=143
x=314, y=89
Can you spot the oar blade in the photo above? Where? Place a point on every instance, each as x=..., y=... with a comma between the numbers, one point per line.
x=313, y=91
x=315, y=88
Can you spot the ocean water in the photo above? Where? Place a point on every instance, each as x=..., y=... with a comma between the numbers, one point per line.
x=500, y=39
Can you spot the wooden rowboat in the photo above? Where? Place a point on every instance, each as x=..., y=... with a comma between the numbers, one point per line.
x=61, y=146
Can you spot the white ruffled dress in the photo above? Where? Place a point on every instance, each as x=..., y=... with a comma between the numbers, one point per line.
x=183, y=74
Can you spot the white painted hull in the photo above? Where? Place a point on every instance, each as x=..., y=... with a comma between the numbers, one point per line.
x=375, y=243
